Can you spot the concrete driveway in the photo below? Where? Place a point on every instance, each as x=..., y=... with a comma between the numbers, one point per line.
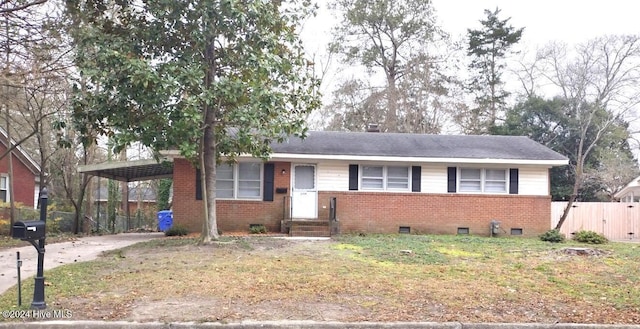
x=56, y=254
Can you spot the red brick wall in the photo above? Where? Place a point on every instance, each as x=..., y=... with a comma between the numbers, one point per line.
x=24, y=183
x=437, y=213
x=232, y=215
x=372, y=212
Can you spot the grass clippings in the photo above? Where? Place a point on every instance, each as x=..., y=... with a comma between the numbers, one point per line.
x=351, y=278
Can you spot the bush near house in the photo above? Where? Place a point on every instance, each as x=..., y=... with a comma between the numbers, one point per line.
x=590, y=237
x=257, y=229
x=176, y=230
x=553, y=236
x=4, y=226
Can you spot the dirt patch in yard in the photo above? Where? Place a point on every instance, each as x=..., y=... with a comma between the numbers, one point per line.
x=364, y=279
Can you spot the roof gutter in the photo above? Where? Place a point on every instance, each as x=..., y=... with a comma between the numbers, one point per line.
x=298, y=157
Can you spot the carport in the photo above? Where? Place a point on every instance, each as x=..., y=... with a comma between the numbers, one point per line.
x=129, y=171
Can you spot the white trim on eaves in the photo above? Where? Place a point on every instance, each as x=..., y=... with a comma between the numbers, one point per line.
x=291, y=157
x=296, y=157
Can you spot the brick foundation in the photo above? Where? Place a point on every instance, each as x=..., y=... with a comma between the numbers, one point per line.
x=437, y=213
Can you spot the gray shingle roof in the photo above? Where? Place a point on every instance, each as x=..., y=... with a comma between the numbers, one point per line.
x=417, y=145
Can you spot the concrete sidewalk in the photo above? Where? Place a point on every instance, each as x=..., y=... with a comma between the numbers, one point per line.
x=56, y=254
x=303, y=325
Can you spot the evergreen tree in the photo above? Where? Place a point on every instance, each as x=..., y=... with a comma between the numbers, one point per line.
x=488, y=48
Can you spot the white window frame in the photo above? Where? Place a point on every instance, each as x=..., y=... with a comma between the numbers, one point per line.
x=237, y=180
x=483, y=180
x=5, y=188
x=232, y=180
x=377, y=178
x=384, y=178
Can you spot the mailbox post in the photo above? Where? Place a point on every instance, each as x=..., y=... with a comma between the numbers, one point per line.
x=38, y=290
x=34, y=233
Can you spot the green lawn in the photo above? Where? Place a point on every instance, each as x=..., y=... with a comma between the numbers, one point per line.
x=352, y=278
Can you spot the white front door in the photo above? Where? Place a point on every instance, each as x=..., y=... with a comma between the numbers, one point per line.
x=304, y=195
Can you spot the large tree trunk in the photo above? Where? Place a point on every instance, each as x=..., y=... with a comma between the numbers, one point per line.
x=565, y=212
x=208, y=154
x=84, y=181
x=574, y=194
x=391, y=121
x=77, y=205
x=208, y=165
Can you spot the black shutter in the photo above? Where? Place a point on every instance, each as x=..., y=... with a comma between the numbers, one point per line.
x=353, y=177
x=451, y=179
x=513, y=181
x=269, y=171
x=416, y=175
x=198, y=184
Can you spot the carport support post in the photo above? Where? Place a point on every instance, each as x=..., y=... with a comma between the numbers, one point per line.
x=38, y=291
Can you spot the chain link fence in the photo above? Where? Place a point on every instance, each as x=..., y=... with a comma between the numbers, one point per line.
x=63, y=222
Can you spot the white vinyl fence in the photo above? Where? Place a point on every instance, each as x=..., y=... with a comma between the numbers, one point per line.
x=615, y=220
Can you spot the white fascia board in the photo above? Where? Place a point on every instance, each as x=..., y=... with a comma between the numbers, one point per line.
x=297, y=157
x=171, y=154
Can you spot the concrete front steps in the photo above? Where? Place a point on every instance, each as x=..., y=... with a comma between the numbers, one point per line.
x=309, y=228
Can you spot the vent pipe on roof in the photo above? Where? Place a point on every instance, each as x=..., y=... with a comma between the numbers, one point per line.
x=373, y=128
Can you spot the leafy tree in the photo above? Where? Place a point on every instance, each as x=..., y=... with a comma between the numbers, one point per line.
x=552, y=123
x=164, y=191
x=214, y=78
x=355, y=104
x=393, y=38
x=488, y=48
x=616, y=167
x=31, y=80
x=599, y=80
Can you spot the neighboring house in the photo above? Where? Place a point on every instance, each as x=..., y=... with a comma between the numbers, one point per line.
x=26, y=175
x=380, y=183
x=139, y=194
x=629, y=193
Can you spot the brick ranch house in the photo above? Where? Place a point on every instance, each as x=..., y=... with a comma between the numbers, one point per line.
x=26, y=175
x=380, y=183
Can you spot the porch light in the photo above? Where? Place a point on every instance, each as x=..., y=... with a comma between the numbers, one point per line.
x=284, y=171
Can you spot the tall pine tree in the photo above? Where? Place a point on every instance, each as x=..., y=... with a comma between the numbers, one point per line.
x=488, y=48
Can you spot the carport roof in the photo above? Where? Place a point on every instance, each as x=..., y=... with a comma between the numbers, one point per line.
x=129, y=171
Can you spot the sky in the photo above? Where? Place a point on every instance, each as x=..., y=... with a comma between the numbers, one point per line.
x=570, y=21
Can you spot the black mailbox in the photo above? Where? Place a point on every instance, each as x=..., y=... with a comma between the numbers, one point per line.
x=31, y=230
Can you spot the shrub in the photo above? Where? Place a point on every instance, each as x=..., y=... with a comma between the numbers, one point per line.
x=4, y=226
x=257, y=229
x=53, y=225
x=552, y=236
x=590, y=237
x=176, y=230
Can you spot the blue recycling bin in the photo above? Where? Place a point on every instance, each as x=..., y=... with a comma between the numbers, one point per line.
x=165, y=220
